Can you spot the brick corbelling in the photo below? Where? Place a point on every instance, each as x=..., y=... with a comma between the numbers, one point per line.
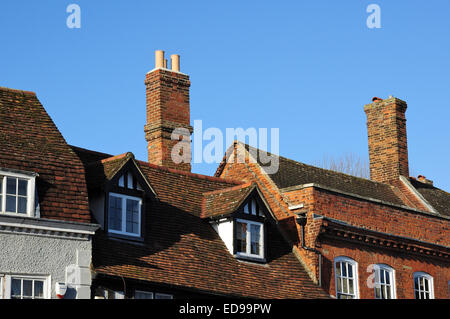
x=382, y=218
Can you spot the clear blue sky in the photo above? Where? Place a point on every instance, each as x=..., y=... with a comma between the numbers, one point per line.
x=306, y=67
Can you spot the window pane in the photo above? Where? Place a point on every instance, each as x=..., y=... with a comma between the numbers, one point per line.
x=23, y=187
x=416, y=283
x=388, y=277
x=11, y=202
x=338, y=268
x=344, y=269
x=143, y=295
x=426, y=284
x=388, y=292
x=115, y=213
x=27, y=289
x=255, y=233
x=350, y=286
x=350, y=271
x=22, y=207
x=339, y=286
x=132, y=216
x=344, y=286
x=38, y=289
x=16, y=288
x=241, y=237
x=11, y=184
x=377, y=292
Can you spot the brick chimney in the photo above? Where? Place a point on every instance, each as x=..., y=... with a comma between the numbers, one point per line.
x=386, y=128
x=167, y=94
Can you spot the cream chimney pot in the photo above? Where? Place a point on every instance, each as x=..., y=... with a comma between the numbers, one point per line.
x=159, y=59
x=175, y=62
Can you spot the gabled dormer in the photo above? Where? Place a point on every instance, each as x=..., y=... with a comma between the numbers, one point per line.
x=240, y=216
x=120, y=194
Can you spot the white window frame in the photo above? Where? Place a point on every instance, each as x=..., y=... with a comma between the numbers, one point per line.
x=355, y=279
x=30, y=192
x=421, y=274
x=124, y=215
x=8, y=278
x=248, y=239
x=377, y=280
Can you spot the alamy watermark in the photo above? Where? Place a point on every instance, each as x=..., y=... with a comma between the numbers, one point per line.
x=213, y=151
x=374, y=19
x=74, y=19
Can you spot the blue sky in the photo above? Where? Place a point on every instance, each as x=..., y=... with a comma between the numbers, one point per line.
x=305, y=67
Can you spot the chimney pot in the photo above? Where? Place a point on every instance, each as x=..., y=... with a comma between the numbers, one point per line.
x=175, y=62
x=159, y=59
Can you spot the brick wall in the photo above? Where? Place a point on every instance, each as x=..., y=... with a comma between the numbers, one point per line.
x=386, y=129
x=167, y=96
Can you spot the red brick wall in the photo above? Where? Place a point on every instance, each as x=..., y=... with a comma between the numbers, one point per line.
x=404, y=267
x=386, y=129
x=167, y=95
x=374, y=216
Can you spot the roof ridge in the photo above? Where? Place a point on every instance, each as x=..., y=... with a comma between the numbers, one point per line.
x=316, y=167
x=195, y=175
x=3, y=88
x=117, y=157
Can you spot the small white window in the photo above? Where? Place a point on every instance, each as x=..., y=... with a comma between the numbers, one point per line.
x=26, y=287
x=346, y=278
x=163, y=296
x=124, y=215
x=249, y=238
x=17, y=194
x=384, y=282
x=423, y=286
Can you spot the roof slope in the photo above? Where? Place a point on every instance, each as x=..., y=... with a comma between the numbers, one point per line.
x=292, y=173
x=30, y=141
x=181, y=249
x=225, y=201
x=439, y=199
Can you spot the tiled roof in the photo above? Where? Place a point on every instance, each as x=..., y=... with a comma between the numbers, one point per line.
x=292, y=173
x=439, y=199
x=225, y=201
x=30, y=141
x=182, y=250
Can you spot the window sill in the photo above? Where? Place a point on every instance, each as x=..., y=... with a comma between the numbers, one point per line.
x=126, y=237
x=255, y=259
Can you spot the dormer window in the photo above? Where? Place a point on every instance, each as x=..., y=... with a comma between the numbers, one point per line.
x=249, y=231
x=124, y=214
x=249, y=238
x=17, y=193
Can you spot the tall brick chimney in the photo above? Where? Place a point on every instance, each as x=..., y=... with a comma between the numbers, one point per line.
x=167, y=94
x=386, y=128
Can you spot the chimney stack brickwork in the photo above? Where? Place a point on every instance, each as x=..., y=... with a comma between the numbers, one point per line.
x=386, y=128
x=167, y=94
